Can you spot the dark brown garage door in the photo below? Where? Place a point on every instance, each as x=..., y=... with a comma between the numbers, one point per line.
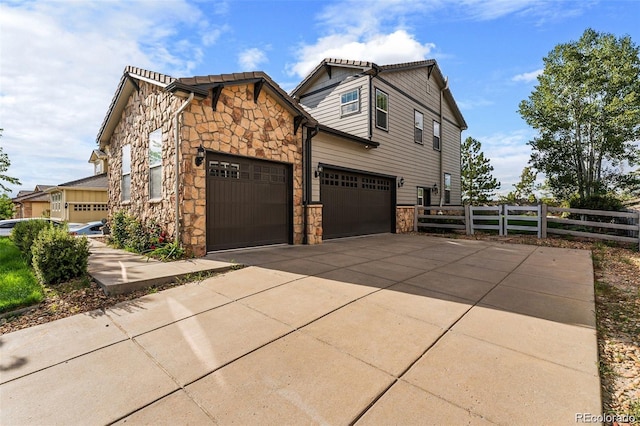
x=355, y=204
x=248, y=202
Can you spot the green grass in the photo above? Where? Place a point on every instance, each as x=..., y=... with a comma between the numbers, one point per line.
x=18, y=285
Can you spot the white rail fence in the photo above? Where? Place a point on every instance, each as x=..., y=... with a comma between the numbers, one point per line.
x=539, y=219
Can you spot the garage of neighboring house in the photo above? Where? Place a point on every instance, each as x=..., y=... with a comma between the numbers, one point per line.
x=249, y=202
x=356, y=203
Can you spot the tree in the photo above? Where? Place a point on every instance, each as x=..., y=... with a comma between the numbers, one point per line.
x=6, y=207
x=4, y=166
x=478, y=184
x=523, y=190
x=586, y=109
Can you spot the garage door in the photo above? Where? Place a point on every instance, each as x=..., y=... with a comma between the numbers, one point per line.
x=355, y=204
x=248, y=202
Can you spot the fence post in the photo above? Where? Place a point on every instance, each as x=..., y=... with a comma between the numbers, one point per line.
x=415, y=219
x=471, y=230
x=543, y=220
x=502, y=222
x=467, y=216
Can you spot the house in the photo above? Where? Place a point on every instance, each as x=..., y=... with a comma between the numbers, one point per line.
x=215, y=160
x=82, y=200
x=32, y=203
x=232, y=160
x=389, y=138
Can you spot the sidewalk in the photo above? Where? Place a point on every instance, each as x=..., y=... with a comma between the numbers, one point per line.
x=118, y=271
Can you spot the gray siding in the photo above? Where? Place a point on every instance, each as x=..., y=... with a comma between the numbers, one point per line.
x=398, y=154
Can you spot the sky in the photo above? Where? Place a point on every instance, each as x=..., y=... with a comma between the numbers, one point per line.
x=60, y=61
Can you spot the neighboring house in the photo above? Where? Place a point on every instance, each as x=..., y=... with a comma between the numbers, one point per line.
x=32, y=203
x=215, y=160
x=229, y=161
x=80, y=201
x=389, y=139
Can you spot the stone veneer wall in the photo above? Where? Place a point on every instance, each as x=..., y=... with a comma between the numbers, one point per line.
x=147, y=110
x=239, y=126
x=314, y=224
x=405, y=216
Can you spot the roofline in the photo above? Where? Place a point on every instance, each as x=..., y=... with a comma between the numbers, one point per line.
x=353, y=138
x=66, y=185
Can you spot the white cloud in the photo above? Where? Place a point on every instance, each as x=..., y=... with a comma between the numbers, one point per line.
x=528, y=77
x=61, y=62
x=468, y=104
x=250, y=59
x=399, y=46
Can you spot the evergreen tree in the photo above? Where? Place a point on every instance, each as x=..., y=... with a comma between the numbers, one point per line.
x=4, y=166
x=478, y=184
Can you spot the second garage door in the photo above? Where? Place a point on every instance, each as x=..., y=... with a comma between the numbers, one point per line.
x=248, y=202
x=355, y=203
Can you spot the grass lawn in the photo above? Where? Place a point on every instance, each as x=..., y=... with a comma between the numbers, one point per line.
x=18, y=285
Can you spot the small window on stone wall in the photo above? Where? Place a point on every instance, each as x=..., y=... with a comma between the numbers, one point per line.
x=155, y=165
x=125, y=184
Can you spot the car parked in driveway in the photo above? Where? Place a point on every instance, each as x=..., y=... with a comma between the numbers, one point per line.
x=91, y=228
x=6, y=226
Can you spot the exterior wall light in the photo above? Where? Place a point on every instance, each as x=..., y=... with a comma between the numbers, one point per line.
x=318, y=171
x=434, y=188
x=200, y=156
x=401, y=182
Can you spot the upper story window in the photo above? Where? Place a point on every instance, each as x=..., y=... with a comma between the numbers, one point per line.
x=350, y=102
x=125, y=183
x=418, y=126
x=436, y=135
x=155, y=164
x=382, y=110
x=98, y=167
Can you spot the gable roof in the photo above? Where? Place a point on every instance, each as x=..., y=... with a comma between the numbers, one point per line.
x=96, y=154
x=375, y=70
x=91, y=182
x=31, y=196
x=200, y=85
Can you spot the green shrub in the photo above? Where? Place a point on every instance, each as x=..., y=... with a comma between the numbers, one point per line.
x=166, y=252
x=25, y=233
x=119, y=230
x=58, y=256
x=597, y=202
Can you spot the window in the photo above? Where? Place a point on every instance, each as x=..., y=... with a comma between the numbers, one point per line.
x=155, y=164
x=419, y=126
x=420, y=196
x=56, y=201
x=228, y=170
x=436, y=135
x=424, y=196
x=125, y=184
x=350, y=103
x=98, y=167
x=447, y=188
x=382, y=110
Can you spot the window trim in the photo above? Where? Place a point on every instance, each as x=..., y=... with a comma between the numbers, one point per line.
x=416, y=128
x=386, y=112
x=437, y=138
x=447, y=188
x=356, y=101
x=125, y=173
x=155, y=165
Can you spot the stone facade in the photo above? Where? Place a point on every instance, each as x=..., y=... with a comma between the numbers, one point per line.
x=239, y=126
x=314, y=224
x=405, y=217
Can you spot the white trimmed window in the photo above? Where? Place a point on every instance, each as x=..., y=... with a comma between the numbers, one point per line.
x=418, y=126
x=125, y=184
x=382, y=110
x=155, y=165
x=436, y=135
x=350, y=102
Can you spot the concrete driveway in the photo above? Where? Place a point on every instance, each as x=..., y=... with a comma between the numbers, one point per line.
x=387, y=329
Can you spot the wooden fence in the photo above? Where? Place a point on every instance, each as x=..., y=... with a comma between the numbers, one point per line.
x=539, y=219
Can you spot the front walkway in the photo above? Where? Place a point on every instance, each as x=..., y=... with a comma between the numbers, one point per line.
x=388, y=329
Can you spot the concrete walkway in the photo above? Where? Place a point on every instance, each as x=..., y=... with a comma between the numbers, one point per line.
x=388, y=329
x=118, y=271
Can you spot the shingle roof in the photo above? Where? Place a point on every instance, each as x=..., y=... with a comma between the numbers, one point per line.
x=193, y=82
x=31, y=196
x=97, y=181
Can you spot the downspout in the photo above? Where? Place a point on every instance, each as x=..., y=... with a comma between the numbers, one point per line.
x=446, y=86
x=176, y=130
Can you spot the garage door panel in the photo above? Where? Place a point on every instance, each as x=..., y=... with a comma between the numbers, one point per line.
x=248, y=202
x=355, y=204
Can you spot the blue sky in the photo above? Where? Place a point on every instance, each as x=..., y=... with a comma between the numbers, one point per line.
x=60, y=61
